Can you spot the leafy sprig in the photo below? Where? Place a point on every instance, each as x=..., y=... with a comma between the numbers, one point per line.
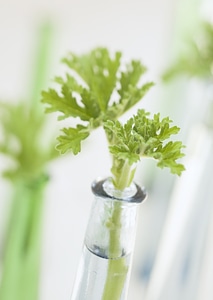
x=142, y=136
x=197, y=59
x=91, y=98
x=97, y=91
x=22, y=131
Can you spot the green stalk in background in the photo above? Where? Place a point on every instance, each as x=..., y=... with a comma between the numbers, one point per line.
x=196, y=62
x=23, y=125
x=197, y=58
x=106, y=90
x=21, y=263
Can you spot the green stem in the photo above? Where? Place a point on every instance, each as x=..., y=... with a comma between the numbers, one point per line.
x=22, y=251
x=115, y=283
x=117, y=268
x=123, y=173
x=42, y=64
x=31, y=263
x=11, y=260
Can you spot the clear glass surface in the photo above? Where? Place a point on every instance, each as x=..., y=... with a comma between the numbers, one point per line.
x=105, y=263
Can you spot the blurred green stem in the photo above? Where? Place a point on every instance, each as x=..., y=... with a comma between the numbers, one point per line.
x=22, y=249
x=20, y=274
x=41, y=66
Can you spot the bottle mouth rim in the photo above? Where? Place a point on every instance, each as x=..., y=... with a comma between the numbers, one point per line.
x=105, y=188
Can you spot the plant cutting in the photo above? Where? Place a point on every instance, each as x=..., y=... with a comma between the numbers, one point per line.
x=197, y=62
x=98, y=89
x=23, y=127
x=196, y=59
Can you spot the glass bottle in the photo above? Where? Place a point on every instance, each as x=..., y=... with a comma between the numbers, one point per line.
x=105, y=264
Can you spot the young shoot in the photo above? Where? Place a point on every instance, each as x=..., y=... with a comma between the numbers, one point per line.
x=99, y=89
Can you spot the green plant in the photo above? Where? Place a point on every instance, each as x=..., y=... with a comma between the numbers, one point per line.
x=23, y=133
x=91, y=101
x=197, y=57
x=196, y=62
x=98, y=90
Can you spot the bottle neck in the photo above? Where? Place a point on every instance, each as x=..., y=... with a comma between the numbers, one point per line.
x=112, y=224
x=105, y=189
